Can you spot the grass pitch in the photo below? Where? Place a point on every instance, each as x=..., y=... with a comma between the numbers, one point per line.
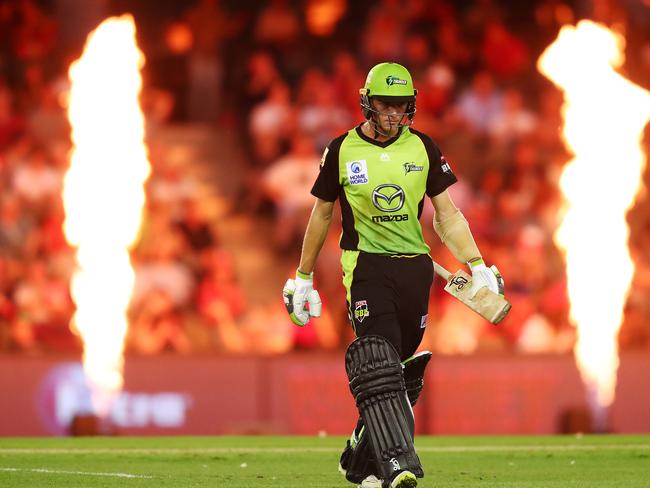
x=310, y=462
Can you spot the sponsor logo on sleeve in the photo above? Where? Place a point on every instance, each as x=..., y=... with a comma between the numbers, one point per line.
x=444, y=164
x=322, y=159
x=357, y=172
x=423, y=321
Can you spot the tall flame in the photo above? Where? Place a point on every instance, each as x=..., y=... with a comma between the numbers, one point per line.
x=604, y=116
x=104, y=197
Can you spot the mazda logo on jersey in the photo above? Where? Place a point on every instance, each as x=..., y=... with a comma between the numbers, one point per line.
x=388, y=198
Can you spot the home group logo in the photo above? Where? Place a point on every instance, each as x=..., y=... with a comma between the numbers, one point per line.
x=388, y=198
x=357, y=172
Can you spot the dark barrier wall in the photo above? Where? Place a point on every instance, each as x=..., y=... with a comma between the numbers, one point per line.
x=308, y=394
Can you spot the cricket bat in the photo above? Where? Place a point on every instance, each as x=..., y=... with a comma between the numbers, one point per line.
x=486, y=303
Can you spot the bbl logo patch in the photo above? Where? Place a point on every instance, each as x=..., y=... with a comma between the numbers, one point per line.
x=361, y=310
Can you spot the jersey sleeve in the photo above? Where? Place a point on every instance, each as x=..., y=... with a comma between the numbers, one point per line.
x=440, y=175
x=328, y=186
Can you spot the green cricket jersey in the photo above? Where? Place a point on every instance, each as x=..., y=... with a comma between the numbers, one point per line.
x=381, y=187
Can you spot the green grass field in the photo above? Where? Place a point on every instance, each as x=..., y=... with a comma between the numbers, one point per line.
x=310, y=462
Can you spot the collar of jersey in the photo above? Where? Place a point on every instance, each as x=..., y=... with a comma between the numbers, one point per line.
x=377, y=143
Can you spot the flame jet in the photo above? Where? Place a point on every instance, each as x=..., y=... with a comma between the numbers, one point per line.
x=104, y=197
x=604, y=117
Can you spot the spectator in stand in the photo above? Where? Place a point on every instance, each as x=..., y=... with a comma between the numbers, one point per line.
x=479, y=104
x=11, y=124
x=162, y=268
x=51, y=229
x=220, y=302
x=170, y=184
x=514, y=122
x=347, y=78
x=320, y=114
x=211, y=27
x=278, y=25
x=15, y=225
x=434, y=97
x=453, y=46
x=262, y=74
x=35, y=181
x=386, y=23
x=504, y=54
x=195, y=226
x=43, y=309
x=288, y=183
x=417, y=54
x=157, y=326
x=34, y=34
x=46, y=122
x=270, y=123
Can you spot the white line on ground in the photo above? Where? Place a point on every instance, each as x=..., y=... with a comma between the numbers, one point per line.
x=297, y=450
x=82, y=473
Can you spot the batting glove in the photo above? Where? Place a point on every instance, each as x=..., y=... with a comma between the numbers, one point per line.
x=483, y=276
x=300, y=298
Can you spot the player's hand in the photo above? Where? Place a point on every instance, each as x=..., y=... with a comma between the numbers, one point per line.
x=300, y=298
x=483, y=276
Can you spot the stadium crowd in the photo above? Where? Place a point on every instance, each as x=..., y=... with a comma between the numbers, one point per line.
x=285, y=74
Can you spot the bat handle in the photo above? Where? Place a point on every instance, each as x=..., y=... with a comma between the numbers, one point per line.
x=441, y=271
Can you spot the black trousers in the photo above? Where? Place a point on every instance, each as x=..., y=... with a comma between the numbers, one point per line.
x=389, y=297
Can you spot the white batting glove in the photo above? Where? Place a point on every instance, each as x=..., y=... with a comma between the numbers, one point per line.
x=483, y=276
x=300, y=298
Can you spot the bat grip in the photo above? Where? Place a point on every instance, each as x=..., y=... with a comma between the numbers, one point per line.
x=441, y=271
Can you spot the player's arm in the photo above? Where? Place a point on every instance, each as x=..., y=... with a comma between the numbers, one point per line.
x=452, y=228
x=299, y=292
x=300, y=298
x=319, y=224
x=454, y=232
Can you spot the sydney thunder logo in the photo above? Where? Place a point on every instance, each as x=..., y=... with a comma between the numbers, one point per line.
x=408, y=167
x=394, y=80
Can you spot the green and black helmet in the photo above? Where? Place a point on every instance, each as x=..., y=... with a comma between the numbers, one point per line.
x=390, y=83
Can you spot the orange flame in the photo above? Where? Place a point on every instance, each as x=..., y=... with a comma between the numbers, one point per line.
x=104, y=197
x=604, y=116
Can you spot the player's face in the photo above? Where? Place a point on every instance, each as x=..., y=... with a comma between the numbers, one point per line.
x=389, y=115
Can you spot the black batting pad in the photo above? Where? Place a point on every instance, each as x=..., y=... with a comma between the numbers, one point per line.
x=414, y=368
x=377, y=383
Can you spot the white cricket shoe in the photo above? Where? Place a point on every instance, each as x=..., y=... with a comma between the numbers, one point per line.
x=405, y=479
x=370, y=482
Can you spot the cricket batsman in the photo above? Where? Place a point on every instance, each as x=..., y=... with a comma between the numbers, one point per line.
x=381, y=171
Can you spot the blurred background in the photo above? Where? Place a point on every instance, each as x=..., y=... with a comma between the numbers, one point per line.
x=241, y=98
